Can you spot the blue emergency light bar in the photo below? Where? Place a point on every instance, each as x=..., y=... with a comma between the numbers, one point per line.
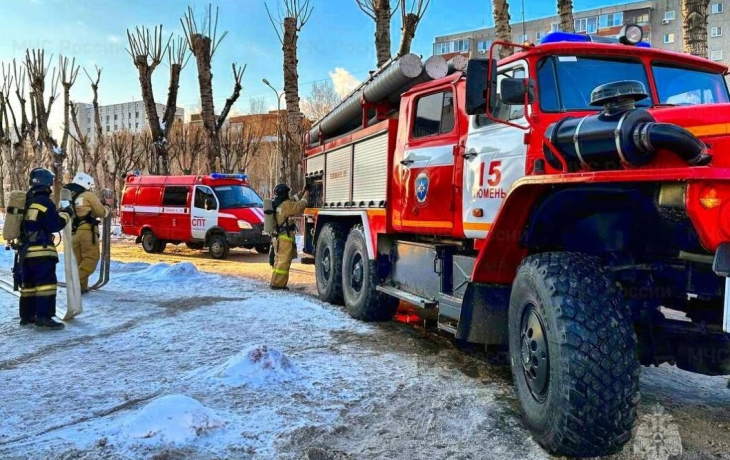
x=229, y=176
x=560, y=37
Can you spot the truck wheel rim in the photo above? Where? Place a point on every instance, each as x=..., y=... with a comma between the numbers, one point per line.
x=326, y=265
x=534, y=354
x=357, y=273
x=147, y=241
x=217, y=248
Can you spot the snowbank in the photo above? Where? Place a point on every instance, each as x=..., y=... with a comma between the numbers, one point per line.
x=173, y=419
x=256, y=366
x=167, y=273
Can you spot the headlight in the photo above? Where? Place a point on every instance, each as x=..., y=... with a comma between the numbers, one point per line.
x=243, y=225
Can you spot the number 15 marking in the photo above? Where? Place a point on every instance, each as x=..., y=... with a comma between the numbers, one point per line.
x=493, y=171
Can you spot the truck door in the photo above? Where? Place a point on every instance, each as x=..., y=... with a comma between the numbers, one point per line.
x=426, y=201
x=174, y=212
x=495, y=158
x=204, y=213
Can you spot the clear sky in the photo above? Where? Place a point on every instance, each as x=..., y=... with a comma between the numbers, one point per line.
x=338, y=35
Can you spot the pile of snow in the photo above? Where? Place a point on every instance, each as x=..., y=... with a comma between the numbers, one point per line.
x=181, y=271
x=255, y=366
x=172, y=419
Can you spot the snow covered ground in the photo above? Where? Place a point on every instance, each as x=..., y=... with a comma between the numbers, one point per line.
x=170, y=362
x=167, y=362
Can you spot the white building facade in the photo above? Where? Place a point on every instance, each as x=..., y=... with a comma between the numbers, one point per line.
x=129, y=116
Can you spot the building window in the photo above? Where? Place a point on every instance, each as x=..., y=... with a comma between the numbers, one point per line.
x=716, y=8
x=115, y=127
x=592, y=25
x=484, y=45
x=610, y=20
x=88, y=130
x=107, y=118
x=716, y=32
x=136, y=125
x=136, y=114
x=434, y=115
x=538, y=36
x=107, y=128
x=642, y=19
x=555, y=27
x=716, y=55
x=668, y=38
x=669, y=15
x=580, y=24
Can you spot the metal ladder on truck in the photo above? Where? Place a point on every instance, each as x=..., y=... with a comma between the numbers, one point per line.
x=105, y=259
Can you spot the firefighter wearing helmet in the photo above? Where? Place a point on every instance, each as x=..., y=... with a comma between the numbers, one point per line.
x=88, y=210
x=35, y=269
x=284, y=243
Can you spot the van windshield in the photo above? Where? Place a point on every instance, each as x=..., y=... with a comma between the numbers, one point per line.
x=237, y=196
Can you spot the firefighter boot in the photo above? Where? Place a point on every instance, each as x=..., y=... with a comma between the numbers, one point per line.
x=27, y=310
x=48, y=323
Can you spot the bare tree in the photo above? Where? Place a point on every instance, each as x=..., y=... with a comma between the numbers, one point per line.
x=17, y=158
x=410, y=20
x=296, y=13
x=187, y=143
x=239, y=145
x=126, y=153
x=147, y=50
x=5, y=134
x=257, y=105
x=565, y=11
x=322, y=99
x=38, y=68
x=694, y=26
x=380, y=12
x=203, y=43
x=503, y=30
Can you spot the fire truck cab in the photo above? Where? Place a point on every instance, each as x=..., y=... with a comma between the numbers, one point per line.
x=219, y=211
x=568, y=207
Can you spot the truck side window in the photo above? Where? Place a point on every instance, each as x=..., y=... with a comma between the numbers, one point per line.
x=204, y=198
x=434, y=115
x=504, y=111
x=175, y=196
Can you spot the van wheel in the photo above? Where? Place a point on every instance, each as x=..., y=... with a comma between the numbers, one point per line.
x=572, y=348
x=195, y=246
x=150, y=243
x=328, y=267
x=360, y=279
x=263, y=248
x=218, y=247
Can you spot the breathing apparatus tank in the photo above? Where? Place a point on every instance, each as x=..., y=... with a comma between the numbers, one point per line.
x=14, y=216
x=269, y=218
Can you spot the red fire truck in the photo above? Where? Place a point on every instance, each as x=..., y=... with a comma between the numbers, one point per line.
x=569, y=204
x=218, y=211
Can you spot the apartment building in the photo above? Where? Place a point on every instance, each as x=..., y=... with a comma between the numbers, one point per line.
x=660, y=19
x=128, y=116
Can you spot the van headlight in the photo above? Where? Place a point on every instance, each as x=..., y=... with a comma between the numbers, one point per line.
x=243, y=225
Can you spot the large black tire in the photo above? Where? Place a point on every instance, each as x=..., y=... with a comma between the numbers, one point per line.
x=218, y=246
x=328, y=267
x=263, y=248
x=572, y=347
x=360, y=279
x=150, y=243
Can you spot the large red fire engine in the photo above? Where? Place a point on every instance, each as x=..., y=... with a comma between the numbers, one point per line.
x=219, y=211
x=569, y=204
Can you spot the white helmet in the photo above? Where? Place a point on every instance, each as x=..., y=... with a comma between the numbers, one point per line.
x=84, y=180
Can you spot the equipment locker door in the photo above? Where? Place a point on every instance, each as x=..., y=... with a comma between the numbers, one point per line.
x=494, y=159
x=204, y=213
x=426, y=192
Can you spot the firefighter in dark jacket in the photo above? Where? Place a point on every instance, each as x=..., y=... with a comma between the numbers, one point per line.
x=37, y=255
x=88, y=210
x=285, y=241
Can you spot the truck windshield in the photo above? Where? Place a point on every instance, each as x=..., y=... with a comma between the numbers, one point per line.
x=681, y=86
x=237, y=196
x=566, y=82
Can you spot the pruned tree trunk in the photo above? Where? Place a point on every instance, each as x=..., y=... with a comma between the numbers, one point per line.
x=293, y=144
x=383, y=14
x=694, y=26
x=503, y=31
x=409, y=23
x=565, y=11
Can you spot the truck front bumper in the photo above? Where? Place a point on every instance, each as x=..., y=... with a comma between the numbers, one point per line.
x=253, y=237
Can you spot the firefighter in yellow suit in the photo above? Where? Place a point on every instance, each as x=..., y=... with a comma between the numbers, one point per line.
x=88, y=210
x=284, y=243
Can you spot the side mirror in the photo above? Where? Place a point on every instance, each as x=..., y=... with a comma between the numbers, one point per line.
x=513, y=90
x=477, y=84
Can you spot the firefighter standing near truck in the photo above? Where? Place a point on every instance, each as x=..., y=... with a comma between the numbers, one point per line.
x=35, y=268
x=89, y=210
x=285, y=242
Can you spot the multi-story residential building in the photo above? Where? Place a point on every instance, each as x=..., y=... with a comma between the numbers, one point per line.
x=660, y=19
x=128, y=116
